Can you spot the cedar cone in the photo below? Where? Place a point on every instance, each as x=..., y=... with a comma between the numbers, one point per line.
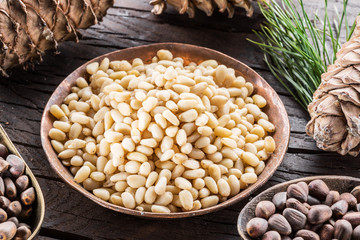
x=335, y=109
x=207, y=6
x=30, y=27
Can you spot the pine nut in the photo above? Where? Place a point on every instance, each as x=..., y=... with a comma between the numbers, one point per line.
x=136, y=181
x=132, y=166
x=62, y=126
x=204, y=192
x=160, y=209
x=164, y=199
x=109, y=167
x=250, y=158
x=186, y=199
x=128, y=200
x=268, y=126
x=58, y=146
x=269, y=144
x=144, y=169
x=136, y=156
x=183, y=183
x=187, y=104
x=66, y=154
x=193, y=174
x=209, y=201
x=150, y=142
x=177, y=171
x=97, y=176
x=262, y=155
x=77, y=161
x=171, y=131
x=56, y=111
x=222, y=132
x=198, y=183
x=57, y=134
x=214, y=172
x=260, y=168
x=153, y=176
x=181, y=137
x=202, y=142
x=211, y=185
x=149, y=104
x=249, y=178
x=168, y=115
x=250, y=138
x=160, y=186
x=205, y=131
x=164, y=55
x=229, y=142
x=102, y=194
x=191, y=164
x=82, y=174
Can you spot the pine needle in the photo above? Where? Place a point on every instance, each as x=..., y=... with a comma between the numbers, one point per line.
x=295, y=49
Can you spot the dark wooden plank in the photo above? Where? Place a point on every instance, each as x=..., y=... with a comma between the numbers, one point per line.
x=71, y=216
x=41, y=237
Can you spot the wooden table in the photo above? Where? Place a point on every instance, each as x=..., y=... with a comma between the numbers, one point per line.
x=69, y=215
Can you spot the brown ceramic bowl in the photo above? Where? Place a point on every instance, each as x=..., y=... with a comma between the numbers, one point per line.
x=338, y=183
x=189, y=53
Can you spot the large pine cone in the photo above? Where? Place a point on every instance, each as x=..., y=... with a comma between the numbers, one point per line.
x=207, y=6
x=30, y=27
x=335, y=109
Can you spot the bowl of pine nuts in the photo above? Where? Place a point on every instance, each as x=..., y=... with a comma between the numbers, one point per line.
x=165, y=130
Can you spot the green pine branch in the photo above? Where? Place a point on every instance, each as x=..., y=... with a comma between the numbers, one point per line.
x=296, y=49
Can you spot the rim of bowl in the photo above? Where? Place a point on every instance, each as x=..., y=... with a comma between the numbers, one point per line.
x=279, y=152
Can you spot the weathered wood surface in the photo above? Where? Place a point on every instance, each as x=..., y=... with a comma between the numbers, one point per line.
x=71, y=216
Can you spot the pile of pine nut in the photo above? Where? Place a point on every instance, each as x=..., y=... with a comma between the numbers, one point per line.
x=162, y=137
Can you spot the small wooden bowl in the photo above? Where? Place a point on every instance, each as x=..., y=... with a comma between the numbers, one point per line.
x=38, y=214
x=337, y=183
x=189, y=53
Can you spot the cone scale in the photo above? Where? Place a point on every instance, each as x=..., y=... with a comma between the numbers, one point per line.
x=335, y=109
x=30, y=27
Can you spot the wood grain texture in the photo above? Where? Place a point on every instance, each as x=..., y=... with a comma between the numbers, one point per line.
x=69, y=215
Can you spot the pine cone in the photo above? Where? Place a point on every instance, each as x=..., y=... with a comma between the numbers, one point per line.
x=207, y=6
x=335, y=109
x=30, y=27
